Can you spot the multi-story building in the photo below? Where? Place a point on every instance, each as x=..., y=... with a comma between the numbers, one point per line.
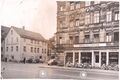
x=4, y=31
x=21, y=43
x=88, y=32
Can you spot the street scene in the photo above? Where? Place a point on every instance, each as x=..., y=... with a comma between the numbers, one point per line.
x=43, y=71
x=60, y=40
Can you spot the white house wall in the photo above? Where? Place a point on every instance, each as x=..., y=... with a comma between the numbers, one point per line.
x=14, y=43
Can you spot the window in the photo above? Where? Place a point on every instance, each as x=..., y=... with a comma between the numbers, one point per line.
x=31, y=41
x=16, y=48
x=116, y=16
x=45, y=50
x=116, y=36
x=96, y=57
x=71, y=39
x=77, y=5
x=2, y=49
x=62, y=24
x=71, y=24
x=42, y=50
x=77, y=22
x=71, y=5
x=108, y=37
x=16, y=39
x=61, y=8
x=37, y=50
x=24, y=48
x=109, y=16
x=96, y=17
x=87, y=38
x=96, y=37
x=76, y=39
x=11, y=32
x=91, y=18
x=87, y=3
x=113, y=57
x=7, y=49
x=11, y=48
x=87, y=19
x=12, y=40
x=31, y=49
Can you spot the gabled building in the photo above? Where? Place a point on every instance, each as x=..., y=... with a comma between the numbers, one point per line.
x=88, y=32
x=21, y=43
x=4, y=31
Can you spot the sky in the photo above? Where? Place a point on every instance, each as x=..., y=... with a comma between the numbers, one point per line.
x=36, y=15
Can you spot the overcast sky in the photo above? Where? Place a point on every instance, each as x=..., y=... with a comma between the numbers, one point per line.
x=35, y=15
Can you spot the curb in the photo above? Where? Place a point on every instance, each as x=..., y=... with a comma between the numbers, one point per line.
x=68, y=68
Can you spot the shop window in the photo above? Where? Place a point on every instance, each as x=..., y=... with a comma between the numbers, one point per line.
x=116, y=36
x=69, y=57
x=76, y=57
x=96, y=57
x=86, y=57
x=113, y=57
x=103, y=58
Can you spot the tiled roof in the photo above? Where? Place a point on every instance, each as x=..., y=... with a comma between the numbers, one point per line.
x=29, y=34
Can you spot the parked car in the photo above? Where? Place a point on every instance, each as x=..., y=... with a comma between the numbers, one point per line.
x=52, y=62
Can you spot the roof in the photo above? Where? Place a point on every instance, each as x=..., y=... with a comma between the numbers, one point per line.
x=29, y=34
x=4, y=31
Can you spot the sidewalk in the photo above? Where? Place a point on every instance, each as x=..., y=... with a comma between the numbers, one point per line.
x=79, y=69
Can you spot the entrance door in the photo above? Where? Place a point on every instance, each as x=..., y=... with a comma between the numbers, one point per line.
x=103, y=58
x=96, y=59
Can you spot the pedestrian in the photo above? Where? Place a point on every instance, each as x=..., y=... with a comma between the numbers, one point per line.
x=24, y=60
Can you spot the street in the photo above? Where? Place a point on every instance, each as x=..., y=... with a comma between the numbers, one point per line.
x=30, y=71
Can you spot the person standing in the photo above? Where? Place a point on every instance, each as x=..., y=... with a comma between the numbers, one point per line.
x=24, y=60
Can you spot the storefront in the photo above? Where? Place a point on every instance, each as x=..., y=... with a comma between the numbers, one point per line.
x=93, y=57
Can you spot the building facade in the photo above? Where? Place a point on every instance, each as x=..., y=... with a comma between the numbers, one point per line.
x=20, y=44
x=4, y=31
x=88, y=32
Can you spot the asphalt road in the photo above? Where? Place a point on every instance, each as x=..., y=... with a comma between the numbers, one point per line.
x=31, y=71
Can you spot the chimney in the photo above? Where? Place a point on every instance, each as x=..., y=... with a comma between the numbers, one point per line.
x=23, y=27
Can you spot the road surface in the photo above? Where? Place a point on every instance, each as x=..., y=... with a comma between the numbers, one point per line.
x=31, y=71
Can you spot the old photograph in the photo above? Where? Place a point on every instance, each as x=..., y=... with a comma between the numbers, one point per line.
x=50, y=39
